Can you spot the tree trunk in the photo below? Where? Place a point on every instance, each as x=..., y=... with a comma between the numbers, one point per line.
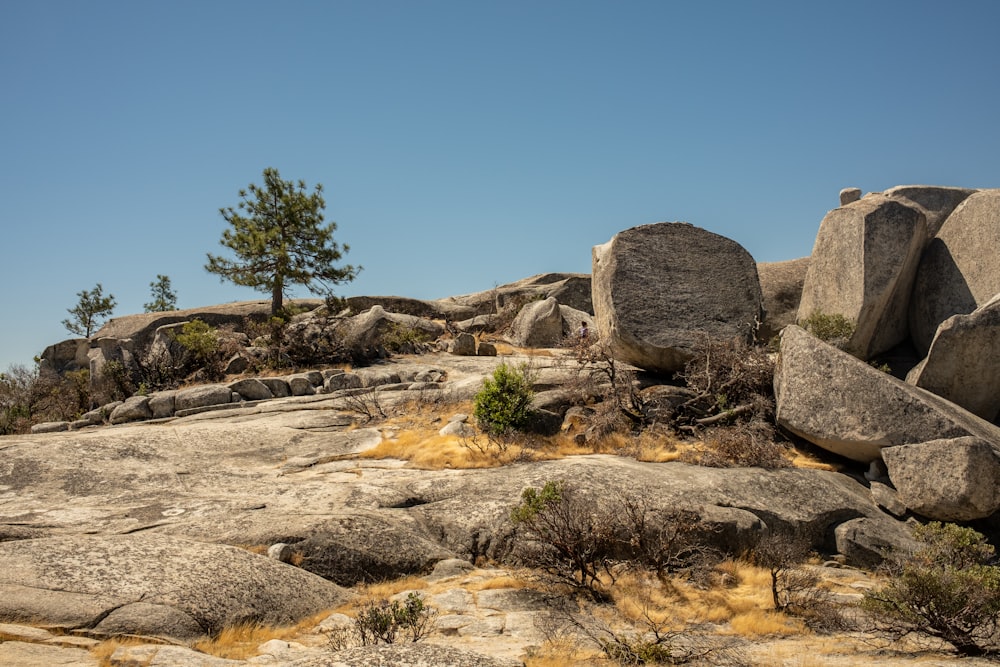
x=277, y=294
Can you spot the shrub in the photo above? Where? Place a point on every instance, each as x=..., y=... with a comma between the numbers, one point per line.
x=584, y=544
x=949, y=589
x=732, y=381
x=382, y=621
x=748, y=445
x=834, y=329
x=199, y=339
x=402, y=339
x=501, y=406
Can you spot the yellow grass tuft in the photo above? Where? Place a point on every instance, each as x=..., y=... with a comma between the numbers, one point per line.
x=103, y=651
x=766, y=623
x=564, y=653
x=383, y=590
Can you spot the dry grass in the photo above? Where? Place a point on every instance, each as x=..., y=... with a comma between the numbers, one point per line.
x=506, y=581
x=240, y=642
x=564, y=653
x=103, y=651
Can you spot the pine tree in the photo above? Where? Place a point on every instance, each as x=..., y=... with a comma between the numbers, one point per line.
x=279, y=239
x=164, y=298
x=89, y=312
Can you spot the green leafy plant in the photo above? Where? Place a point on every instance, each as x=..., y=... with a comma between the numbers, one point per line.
x=832, y=328
x=949, y=589
x=382, y=621
x=501, y=406
x=199, y=339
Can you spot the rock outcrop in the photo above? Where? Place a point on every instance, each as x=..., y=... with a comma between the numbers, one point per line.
x=538, y=324
x=847, y=407
x=152, y=584
x=947, y=480
x=781, y=287
x=862, y=267
x=960, y=268
x=963, y=363
x=658, y=288
x=936, y=202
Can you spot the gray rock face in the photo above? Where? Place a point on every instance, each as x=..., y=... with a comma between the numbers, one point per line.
x=200, y=397
x=947, y=480
x=862, y=267
x=463, y=345
x=658, y=288
x=251, y=389
x=134, y=408
x=68, y=355
x=781, y=286
x=936, y=202
x=539, y=324
x=363, y=330
x=845, y=406
x=849, y=196
x=278, y=387
x=963, y=363
x=960, y=268
x=152, y=584
x=161, y=404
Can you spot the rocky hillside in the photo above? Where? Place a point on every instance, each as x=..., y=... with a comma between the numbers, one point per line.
x=268, y=481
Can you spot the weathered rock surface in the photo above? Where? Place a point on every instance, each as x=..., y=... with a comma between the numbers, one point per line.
x=200, y=397
x=538, y=324
x=963, y=363
x=936, y=202
x=251, y=389
x=134, y=408
x=947, y=480
x=65, y=356
x=658, y=288
x=152, y=584
x=845, y=406
x=862, y=267
x=960, y=268
x=781, y=287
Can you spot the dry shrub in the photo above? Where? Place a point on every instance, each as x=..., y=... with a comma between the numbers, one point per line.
x=733, y=381
x=747, y=445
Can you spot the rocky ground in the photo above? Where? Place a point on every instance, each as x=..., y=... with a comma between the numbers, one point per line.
x=160, y=528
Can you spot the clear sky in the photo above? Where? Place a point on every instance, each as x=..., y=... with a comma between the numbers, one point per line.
x=465, y=143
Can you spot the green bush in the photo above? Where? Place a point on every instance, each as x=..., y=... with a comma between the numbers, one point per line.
x=382, y=621
x=949, y=590
x=501, y=406
x=199, y=339
x=834, y=329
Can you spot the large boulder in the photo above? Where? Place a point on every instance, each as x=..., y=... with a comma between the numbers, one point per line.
x=203, y=396
x=538, y=324
x=960, y=268
x=660, y=289
x=365, y=330
x=848, y=407
x=862, y=267
x=947, y=480
x=781, y=286
x=68, y=355
x=936, y=202
x=134, y=408
x=152, y=585
x=569, y=289
x=963, y=363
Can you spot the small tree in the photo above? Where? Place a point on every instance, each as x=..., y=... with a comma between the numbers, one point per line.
x=90, y=311
x=164, y=298
x=279, y=239
x=948, y=590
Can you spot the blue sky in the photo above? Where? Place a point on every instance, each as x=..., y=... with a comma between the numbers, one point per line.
x=462, y=144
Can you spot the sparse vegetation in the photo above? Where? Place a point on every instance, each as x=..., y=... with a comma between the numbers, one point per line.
x=382, y=621
x=948, y=590
x=586, y=543
x=833, y=328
